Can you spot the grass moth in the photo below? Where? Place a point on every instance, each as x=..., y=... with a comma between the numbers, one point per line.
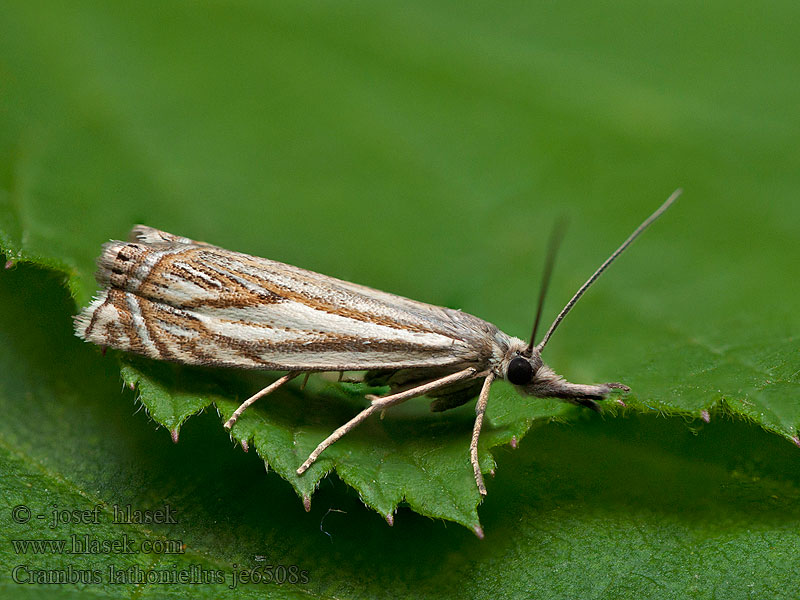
x=171, y=298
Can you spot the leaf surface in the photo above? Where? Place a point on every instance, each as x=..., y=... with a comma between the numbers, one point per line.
x=635, y=507
x=425, y=152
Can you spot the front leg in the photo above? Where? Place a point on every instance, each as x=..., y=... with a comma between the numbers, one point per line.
x=379, y=404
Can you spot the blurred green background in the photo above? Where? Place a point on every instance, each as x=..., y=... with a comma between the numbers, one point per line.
x=427, y=149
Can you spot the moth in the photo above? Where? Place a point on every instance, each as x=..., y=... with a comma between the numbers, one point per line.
x=171, y=298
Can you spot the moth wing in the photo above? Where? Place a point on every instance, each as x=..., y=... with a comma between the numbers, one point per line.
x=171, y=298
x=152, y=236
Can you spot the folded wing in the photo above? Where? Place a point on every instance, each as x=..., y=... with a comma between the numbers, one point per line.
x=171, y=298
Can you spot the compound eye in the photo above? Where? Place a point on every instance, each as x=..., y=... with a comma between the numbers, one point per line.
x=520, y=371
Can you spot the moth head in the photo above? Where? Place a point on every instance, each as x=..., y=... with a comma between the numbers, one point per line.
x=521, y=370
x=531, y=376
x=523, y=366
x=534, y=378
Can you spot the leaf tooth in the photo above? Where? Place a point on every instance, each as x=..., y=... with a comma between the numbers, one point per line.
x=389, y=519
x=307, y=503
x=478, y=531
x=174, y=434
x=705, y=415
x=245, y=445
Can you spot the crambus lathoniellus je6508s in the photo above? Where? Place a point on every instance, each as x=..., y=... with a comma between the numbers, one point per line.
x=171, y=298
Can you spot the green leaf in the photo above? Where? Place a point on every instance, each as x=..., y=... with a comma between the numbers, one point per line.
x=638, y=507
x=426, y=152
x=406, y=457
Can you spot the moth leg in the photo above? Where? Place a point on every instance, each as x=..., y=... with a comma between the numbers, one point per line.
x=305, y=381
x=246, y=404
x=480, y=410
x=380, y=404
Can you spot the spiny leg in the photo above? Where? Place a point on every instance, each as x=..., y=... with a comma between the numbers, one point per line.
x=480, y=410
x=379, y=404
x=270, y=388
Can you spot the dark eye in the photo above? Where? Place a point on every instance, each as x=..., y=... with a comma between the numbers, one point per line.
x=520, y=371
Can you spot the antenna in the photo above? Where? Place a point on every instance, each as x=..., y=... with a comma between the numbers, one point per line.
x=605, y=265
x=556, y=236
